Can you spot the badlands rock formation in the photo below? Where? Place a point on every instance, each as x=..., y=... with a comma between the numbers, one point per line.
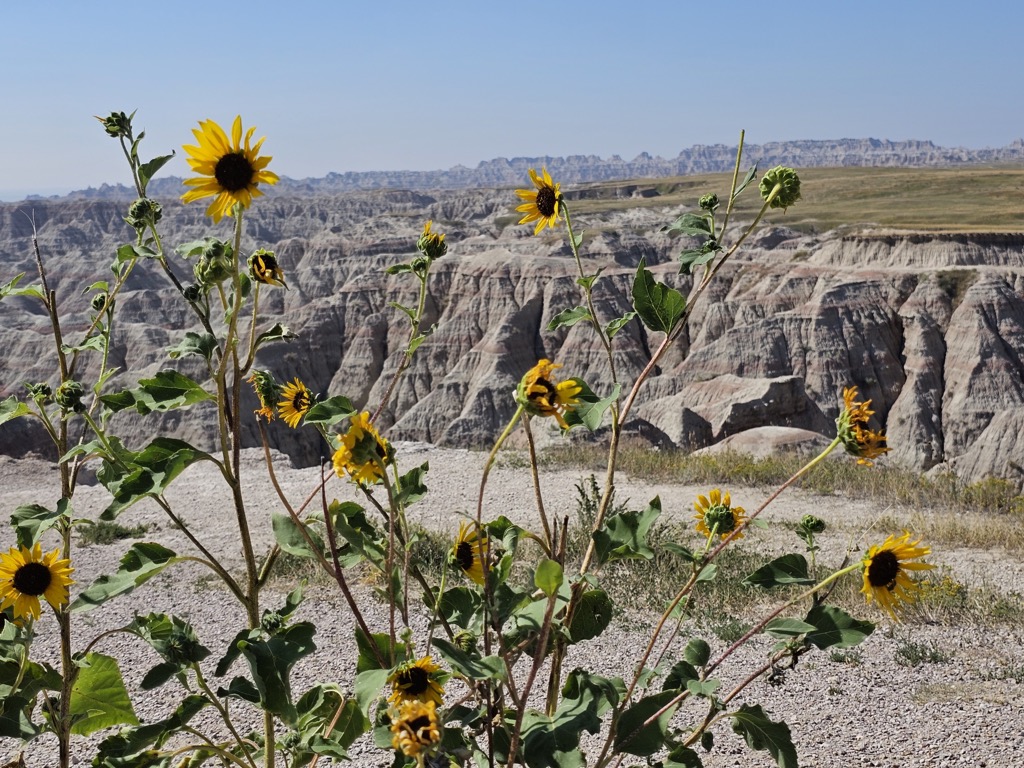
x=929, y=326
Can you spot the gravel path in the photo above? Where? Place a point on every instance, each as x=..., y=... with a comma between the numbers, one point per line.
x=867, y=710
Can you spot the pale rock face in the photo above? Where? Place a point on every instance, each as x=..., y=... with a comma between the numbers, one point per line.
x=930, y=327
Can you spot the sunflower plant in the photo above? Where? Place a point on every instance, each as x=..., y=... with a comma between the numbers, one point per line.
x=466, y=666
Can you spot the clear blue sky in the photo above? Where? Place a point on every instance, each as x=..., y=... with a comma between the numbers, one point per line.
x=340, y=86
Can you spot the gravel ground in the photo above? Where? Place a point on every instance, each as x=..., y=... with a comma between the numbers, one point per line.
x=964, y=710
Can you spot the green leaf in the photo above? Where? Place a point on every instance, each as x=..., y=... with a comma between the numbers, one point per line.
x=148, y=170
x=31, y=520
x=618, y=324
x=289, y=537
x=592, y=616
x=690, y=224
x=591, y=409
x=548, y=576
x=589, y=280
x=697, y=652
x=708, y=573
x=691, y=258
x=411, y=487
x=683, y=757
x=12, y=408
x=166, y=391
x=139, y=564
x=577, y=240
x=760, y=733
x=787, y=627
x=271, y=661
x=751, y=175
x=635, y=738
x=788, y=569
x=371, y=650
x=704, y=688
x=835, y=628
x=130, y=252
x=398, y=269
x=624, y=535
x=95, y=343
x=569, y=317
x=368, y=686
x=198, y=344
x=277, y=332
x=15, y=719
x=98, y=697
x=659, y=306
x=471, y=665
x=330, y=411
x=679, y=676
x=409, y=311
x=146, y=473
x=129, y=742
x=350, y=522
x=10, y=289
x=174, y=639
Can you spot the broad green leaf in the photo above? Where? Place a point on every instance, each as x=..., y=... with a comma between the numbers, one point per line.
x=330, y=411
x=94, y=343
x=199, y=344
x=787, y=627
x=277, y=332
x=398, y=269
x=461, y=606
x=12, y=408
x=659, y=306
x=788, y=569
x=708, y=573
x=618, y=324
x=271, y=661
x=166, y=391
x=98, y=697
x=471, y=665
x=835, y=628
x=592, y=615
x=130, y=251
x=175, y=641
x=411, y=487
x=591, y=409
x=548, y=576
x=697, y=652
x=289, y=537
x=129, y=742
x=751, y=175
x=15, y=719
x=690, y=224
x=703, y=688
x=691, y=258
x=570, y=317
x=324, y=708
x=11, y=289
x=374, y=651
x=635, y=738
x=31, y=520
x=148, y=170
x=678, y=549
x=351, y=524
x=140, y=563
x=624, y=535
x=760, y=733
x=683, y=757
x=679, y=676
x=368, y=687
x=148, y=472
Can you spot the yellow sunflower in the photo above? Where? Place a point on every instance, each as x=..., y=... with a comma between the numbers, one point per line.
x=363, y=453
x=414, y=681
x=886, y=571
x=415, y=727
x=851, y=427
x=543, y=396
x=296, y=400
x=431, y=244
x=264, y=268
x=716, y=516
x=469, y=552
x=229, y=171
x=28, y=574
x=267, y=391
x=543, y=204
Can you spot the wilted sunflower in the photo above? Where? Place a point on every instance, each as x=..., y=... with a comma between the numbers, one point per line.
x=415, y=728
x=469, y=552
x=542, y=205
x=541, y=395
x=414, y=681
x=851, y=427
x=716, y=516
x=363, y=454
x=230, y=171
x=267, y=391
x=886, y=571
x=28, y=574
x=296, y=400
x=264, y=268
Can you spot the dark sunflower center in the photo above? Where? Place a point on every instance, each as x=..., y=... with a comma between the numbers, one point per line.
x=464, y=555
x=234, y=172
x=883, y=570
x=545, y=397
x=414, y=680
x=301, y=401
x=421, y=727
x=32, y=579
x=546, y=201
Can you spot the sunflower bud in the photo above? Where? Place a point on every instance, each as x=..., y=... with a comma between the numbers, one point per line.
x=465, y=641
x=214, y=265
x=143, y=213
x=117, y=124
x=708, y=202
x=812, y=524
x=69, y=396
x=99, y=301
x=40, y=392
x=431, y=244
x=720, y=518
x=788, y=183
x=264, y=268
x=192, y=293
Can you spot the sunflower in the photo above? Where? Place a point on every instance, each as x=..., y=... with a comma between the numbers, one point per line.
x=469, y=552
x=886, y=571
x=264, y=268
x=26, y=574
x=414, y=681
x=431, y=244
x=296, y=400
x=541, y=205
x=415, y=727
x=717, y=516
x=363, y=453
x=230, y=172
x=267, y=391
x=541, y=395
x=851, y=427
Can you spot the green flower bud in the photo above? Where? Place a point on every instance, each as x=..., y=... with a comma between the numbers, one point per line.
x=812, y=524
x=788, y=183
x=99, y=301
x=192, y=293
x=117, y=124
x=708, y=202
x=720, y=518
x=214, y=265
x=465, y=641
x=40, y=392
x=143, y=213
x=431, y=244
x=69, y=396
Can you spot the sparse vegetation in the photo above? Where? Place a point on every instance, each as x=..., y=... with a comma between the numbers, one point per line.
x=104, y=532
